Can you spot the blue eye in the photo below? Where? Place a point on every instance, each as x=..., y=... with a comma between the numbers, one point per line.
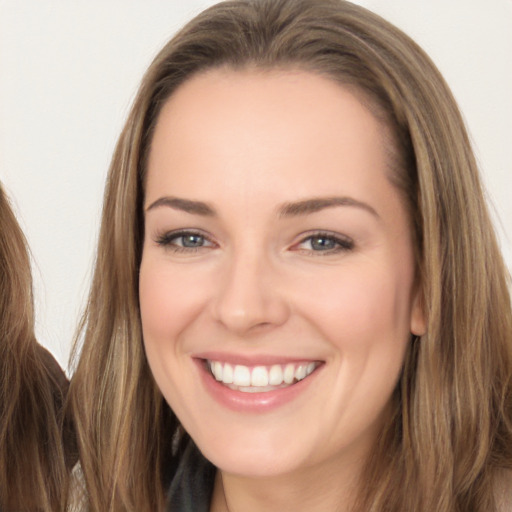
x=191, y=240
x=181, y=241
x=322, y=243
x=325, y=243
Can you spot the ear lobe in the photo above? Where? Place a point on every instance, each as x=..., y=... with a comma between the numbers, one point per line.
x=418, y=314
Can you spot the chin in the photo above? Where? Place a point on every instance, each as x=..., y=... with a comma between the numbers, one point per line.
x=253, y=457
x=258, y=466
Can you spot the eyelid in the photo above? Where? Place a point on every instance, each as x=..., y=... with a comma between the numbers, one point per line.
x=165, y=239
x=343, y=242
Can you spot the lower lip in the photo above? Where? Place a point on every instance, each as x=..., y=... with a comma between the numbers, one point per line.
x=252, y=402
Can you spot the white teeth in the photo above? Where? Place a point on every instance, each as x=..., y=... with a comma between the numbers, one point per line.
x=289, y=373
x=242, y=376
x=227, y=374
x=260, y=378
x=275, y=377
x=217, y=370
x=300, y=372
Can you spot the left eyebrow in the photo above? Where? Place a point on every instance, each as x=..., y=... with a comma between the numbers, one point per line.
x=317, y=204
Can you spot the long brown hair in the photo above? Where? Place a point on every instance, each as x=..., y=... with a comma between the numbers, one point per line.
x=33, y=467
x=450, y=438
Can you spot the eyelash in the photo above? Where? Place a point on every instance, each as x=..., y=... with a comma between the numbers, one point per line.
x=168, y=240
x=341, y=243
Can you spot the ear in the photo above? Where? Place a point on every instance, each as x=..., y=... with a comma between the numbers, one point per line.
x=418, y=314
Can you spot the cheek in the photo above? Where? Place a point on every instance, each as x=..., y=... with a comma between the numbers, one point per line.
x=365, y=319
x=364, y=308
x=157, y=304
x=169, y=300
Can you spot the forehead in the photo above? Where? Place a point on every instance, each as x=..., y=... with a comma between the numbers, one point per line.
x=278, y=89
x=257, y=119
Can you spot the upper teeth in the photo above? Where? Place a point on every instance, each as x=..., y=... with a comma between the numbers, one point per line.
x=260, y=376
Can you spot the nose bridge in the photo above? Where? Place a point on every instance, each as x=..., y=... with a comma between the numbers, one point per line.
x=248, y=296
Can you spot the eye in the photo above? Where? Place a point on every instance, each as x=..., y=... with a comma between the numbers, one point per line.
x=184, y=241
x=326, y=243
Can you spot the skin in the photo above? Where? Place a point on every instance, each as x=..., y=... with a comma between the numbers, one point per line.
x=246, y=143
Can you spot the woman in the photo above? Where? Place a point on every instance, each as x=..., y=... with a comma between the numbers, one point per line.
x=296, y=256
x=35, y=458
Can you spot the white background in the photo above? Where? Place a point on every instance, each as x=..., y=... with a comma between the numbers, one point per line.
x=68, y=73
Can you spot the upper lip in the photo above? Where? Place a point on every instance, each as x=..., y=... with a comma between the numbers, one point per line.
x=253, y=359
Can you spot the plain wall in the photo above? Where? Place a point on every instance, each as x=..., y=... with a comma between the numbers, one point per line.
x=68, y=73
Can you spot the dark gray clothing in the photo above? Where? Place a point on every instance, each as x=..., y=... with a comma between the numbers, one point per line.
x=192, y=485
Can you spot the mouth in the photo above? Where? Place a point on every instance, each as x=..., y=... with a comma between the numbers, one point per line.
x=260, y=378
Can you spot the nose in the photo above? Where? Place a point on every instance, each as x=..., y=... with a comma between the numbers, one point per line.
x=249, y=298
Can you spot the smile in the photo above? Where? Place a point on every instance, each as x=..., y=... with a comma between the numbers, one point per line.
x=260, y=379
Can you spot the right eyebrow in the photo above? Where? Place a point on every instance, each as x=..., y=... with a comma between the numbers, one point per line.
x=184, y=205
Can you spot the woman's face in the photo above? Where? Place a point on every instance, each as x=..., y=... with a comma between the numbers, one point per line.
x=277, y=257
